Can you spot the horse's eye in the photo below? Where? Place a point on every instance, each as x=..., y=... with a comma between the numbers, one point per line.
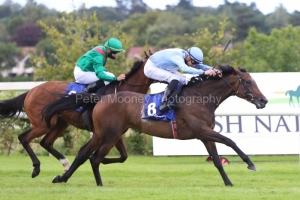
x=248, y=82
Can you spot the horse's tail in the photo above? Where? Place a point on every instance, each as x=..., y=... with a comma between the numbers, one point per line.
x=69, y=103
x=12, y=107
x=287, y=92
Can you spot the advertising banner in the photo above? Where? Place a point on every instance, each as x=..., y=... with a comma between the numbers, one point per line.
x=272, y=130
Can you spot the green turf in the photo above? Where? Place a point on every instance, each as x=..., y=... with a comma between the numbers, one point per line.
x=278, y=177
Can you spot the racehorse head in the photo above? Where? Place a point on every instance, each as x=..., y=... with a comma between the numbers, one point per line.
x=245, y=87
x=236, y=82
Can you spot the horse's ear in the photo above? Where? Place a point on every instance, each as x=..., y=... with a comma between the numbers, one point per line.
x=150, y=52
x=146, y=55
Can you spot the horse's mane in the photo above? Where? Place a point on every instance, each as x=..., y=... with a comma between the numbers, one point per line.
x=134, y=68
x=136, y=65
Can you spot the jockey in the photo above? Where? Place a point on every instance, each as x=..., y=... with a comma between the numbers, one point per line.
x=90, y=68
x=163, y=66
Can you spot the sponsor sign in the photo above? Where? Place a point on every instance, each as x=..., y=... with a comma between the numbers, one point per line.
x=272, y=130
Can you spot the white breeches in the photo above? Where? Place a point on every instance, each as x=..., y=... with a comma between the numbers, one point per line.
x=153, y=72
x=88, y=77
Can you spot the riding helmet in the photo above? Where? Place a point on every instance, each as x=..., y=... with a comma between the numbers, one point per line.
x=196, y=54
x=114, y=44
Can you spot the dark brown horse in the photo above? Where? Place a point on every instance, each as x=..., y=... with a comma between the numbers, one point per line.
x=195, y=118
x=33, y=101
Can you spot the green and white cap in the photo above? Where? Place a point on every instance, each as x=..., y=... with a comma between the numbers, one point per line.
x=114, y=44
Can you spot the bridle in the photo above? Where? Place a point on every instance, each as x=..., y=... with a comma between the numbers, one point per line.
x=235, y=91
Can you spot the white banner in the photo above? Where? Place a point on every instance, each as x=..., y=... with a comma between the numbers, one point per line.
x=272, y=130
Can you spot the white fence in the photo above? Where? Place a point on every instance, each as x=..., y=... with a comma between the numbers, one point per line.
x=19, y=85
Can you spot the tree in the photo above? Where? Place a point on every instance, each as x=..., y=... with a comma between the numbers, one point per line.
x=295, y=19
x=186, y=4
x=265, y=52
x=129, y=7
x=73, y=42
x=212, y=44
x=136, y=26
x=5, y=11
x=166, y=26
x=27, y=35
x=8, y=51
x=13, y=24
x=279, y=18
x=245, y=18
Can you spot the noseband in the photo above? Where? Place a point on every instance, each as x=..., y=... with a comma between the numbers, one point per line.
x=235, y=91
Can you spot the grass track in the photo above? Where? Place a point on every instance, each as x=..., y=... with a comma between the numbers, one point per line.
x=175, y=178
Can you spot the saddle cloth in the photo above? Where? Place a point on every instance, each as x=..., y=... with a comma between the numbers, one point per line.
x=151, y=108
x=74, y=88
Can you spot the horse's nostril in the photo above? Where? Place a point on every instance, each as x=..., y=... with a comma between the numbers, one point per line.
x=263, y=100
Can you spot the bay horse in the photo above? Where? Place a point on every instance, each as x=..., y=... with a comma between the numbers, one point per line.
x=293, y=93
x=33, y=101
x=194, y=117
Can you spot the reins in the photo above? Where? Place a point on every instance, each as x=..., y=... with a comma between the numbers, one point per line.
x=141, y=84
x=235, y=90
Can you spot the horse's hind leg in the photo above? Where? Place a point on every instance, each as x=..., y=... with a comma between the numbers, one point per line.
x=95, y=163
x=212, y=150
x=49, y=139
x=25, y=138
x=84, y=153
x=98, y=157
x=121, y=147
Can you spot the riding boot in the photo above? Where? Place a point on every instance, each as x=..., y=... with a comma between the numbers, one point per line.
x=167, y=94
x=94, y=86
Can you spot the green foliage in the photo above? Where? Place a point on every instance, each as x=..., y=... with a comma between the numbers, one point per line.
x=212, y=43
x=14, y=23
x=9, y=130
x=7, y=53
x=79, y=36
x=165, y=26
x=277, y=52
x=138, y=143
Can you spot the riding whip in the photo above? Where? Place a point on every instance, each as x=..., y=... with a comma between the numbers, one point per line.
x=222, y=53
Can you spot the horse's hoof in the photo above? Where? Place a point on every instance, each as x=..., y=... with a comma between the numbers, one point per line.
x=55, y=179
x=35, y=173
x=252, y=168
x=229, y=185
x=58, y=179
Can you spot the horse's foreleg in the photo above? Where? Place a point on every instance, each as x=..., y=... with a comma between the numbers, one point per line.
x=83, y=154
x=212, y=150
x=121, y=147
x=291, y=101
x=49, y=139
x=211, y=135
x=25, y=138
